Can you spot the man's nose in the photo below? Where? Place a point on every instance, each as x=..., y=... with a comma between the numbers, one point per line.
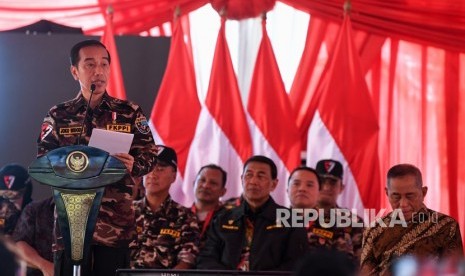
x=205, y=184
x=99, y=69
x=325, y=186
x=403, y=202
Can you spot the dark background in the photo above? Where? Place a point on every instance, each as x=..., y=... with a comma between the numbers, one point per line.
x=35, y=75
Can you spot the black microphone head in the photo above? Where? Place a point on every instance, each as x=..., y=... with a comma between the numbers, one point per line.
x=92, y=87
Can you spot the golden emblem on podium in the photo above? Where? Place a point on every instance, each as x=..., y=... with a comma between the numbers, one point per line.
x=77, y=161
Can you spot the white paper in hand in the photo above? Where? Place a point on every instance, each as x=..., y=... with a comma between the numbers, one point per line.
x=111, y=141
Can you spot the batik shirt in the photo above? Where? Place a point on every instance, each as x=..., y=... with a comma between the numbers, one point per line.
x=35, y=227
x=165, y=237
x=61, y=127
x=347, y=239
x=430, y=234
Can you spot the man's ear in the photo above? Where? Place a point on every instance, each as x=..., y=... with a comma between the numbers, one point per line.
x=175, y=174
x=274, y=184
x=223, y=192
x=424, y=190
x=73, y=71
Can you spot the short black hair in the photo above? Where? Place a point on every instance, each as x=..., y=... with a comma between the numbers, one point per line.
x=308, y=169
x=216, y=167
x=401, y=170
x=266, y=160
x=74, y=53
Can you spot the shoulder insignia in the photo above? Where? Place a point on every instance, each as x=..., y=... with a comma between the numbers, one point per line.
x=45, y=130
x=142, y=125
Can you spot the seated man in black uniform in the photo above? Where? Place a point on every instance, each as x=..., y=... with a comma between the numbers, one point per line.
x=247, y=237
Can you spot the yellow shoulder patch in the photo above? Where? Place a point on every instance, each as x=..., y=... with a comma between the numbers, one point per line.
x=274, y=226
x=119, y=127
x=69, y=130
x=170, y=232
x=323, y=233
x=230, y=227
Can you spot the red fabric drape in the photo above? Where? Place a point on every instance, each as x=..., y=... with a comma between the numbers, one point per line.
x=436, y=22
x=223, y=90
x=268, y=105
x=307, y=76
x=130, y=17
x=307, y=83
x=116, y=82
x=135, y=16
x=177, y=107
x=346, y=109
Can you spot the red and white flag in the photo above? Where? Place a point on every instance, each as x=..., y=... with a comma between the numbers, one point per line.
x=115, y=87
x=345, y=126
x=177, y=108
x=222, y=135
x=272, y=123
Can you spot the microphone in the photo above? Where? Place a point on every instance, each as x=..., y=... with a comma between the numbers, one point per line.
x=92, y=89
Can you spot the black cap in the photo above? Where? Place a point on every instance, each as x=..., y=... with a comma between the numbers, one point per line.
x=167, y=155
x=13, y=177
x=329, y=167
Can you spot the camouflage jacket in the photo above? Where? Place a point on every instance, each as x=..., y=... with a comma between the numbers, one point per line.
x=9, y=215
x=323, y=232
x=61, y=127
x=165, y=237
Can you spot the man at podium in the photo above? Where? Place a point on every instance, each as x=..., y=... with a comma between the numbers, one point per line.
x=71, y=123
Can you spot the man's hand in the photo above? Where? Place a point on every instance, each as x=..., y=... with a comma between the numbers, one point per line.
x=47, y=268
x=127, y=159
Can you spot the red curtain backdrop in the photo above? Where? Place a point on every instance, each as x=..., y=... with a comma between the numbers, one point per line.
x=416, y=79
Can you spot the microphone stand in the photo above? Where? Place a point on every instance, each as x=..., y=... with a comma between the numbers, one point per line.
x=92, y=89
x=77, y=268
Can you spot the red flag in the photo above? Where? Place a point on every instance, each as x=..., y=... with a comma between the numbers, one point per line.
x=345, y=126
x=223, y=96
x=222, y=136
x=177, y=107
x=115, y=87
x=273, y=128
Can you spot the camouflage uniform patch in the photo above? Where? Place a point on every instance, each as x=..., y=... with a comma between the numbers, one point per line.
x=344, y=239
x=115, y=222
x=165, y=237
x=142, y=125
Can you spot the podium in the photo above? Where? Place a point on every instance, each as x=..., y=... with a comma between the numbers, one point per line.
x=78, y=176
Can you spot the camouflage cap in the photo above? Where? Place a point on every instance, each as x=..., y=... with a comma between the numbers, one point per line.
x=13, y=177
